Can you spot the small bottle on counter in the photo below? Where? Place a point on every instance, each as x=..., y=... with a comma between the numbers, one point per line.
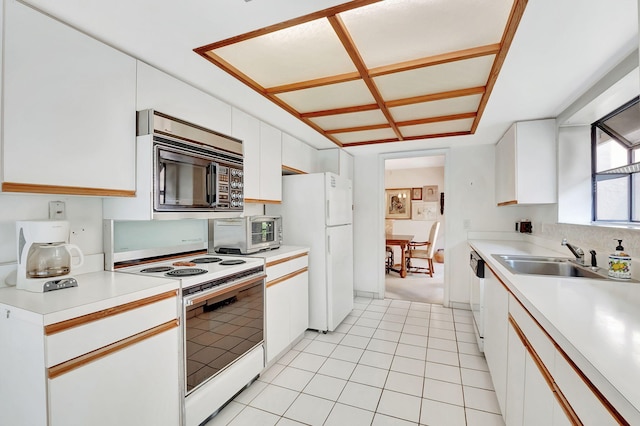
x=620, y=263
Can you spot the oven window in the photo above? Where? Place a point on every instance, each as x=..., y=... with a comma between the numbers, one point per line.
x=262, y=232
x=221, y=329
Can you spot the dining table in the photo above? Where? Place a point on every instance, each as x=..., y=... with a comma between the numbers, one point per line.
x=402, y=241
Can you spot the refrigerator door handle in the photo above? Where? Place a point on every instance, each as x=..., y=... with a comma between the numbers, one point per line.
x=329, y=244
x=328, y=212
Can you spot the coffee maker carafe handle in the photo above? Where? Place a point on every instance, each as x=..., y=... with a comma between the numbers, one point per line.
x=71, y=248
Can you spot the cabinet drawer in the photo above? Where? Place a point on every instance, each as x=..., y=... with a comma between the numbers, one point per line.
x=538, y=339
x=78, y=336
x=288, y=265
x=587, y=406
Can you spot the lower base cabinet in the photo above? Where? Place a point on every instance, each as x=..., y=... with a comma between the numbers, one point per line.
x=108, y=391
x=287, y=304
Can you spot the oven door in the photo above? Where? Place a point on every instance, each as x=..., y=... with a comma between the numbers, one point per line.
x=183, y=180
x=221, y=325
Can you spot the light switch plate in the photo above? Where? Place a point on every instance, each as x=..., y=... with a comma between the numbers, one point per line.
x=57, y=210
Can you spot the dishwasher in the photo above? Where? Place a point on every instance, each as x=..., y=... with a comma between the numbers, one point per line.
x=476, y=296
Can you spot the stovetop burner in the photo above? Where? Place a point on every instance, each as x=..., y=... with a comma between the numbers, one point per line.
x=157, y=269
x=233, y=262
x=206, y=260
x=186, y=272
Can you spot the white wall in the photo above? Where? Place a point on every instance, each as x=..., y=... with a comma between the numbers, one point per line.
x=83, y=213
x=574, y=175
x=469, y=200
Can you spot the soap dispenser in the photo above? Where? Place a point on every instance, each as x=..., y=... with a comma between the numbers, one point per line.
x=620, y=263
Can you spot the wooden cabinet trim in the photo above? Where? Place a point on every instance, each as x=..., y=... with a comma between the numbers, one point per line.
x=286, y=259
x=508, y=203
x=546, y=374
x=259, y=201
x=596, y=392
x=72, y=364
x=105, y=313
x=293, y=170
x=286, y=277
x=65, y=190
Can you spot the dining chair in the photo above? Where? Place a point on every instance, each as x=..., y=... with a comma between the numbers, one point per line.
x=423, y=250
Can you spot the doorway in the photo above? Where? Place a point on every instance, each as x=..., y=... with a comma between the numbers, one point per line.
x=414, y=195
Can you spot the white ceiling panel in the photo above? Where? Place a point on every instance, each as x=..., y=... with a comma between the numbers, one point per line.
x=304, y=52
x=436, y=108
x=321, y=98
x=365, y=135
x=442, y=25
x=436, y=79
x=353, y=119
x=437, y=128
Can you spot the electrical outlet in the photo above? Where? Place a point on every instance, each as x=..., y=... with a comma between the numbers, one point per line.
x=57, y=210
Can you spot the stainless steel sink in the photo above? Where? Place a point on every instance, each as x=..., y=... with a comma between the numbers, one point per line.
x=538, y=265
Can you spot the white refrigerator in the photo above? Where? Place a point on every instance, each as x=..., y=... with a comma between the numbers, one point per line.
x=316, y=212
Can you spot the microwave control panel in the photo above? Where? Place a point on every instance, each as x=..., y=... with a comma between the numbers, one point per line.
x=230, y=187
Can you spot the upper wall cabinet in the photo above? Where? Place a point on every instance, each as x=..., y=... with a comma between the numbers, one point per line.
x=69, y=109
x=297, y=156
x=262, y=145
x=161, y=92
x=526, y=169
x=336, y=160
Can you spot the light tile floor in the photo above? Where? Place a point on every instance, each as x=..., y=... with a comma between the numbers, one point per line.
x=391, y=362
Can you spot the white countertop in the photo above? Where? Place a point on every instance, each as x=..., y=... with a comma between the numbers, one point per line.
x=596, y=322
x=96, y=291
x=280, y=253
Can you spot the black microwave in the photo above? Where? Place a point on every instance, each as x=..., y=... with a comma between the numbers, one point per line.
x=194, y=169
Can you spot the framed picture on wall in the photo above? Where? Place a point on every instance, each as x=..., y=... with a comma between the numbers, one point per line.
x=398, y=203
x=416, y=193
x=430, y=193
x=424, y=210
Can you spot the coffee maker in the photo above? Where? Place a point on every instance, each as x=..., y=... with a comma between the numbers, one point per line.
x=45, y=257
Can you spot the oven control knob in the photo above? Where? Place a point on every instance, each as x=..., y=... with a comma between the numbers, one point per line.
x=240, y=184
x=233, y=172
x=234, y=184
x=240, y=204
x=239, y=173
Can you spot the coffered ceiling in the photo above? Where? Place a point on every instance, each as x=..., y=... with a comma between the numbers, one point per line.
x=370, y=71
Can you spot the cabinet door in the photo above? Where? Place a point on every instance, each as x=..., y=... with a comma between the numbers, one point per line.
x=505, y=168
x=539, y=401
x=515, y=379
x=496, y=300
x=247, y=129
x=270, y=163
x=277, y=319
x=69, y=109
x=297, y=156
x=299, y=315
x=137, y=385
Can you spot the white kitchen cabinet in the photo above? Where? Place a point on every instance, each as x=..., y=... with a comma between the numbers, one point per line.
x=116, y=364
x=262, y=145
x=514, y=406
x=496, y=314
x=287, y=303
x=68, y=109
x=161, y=92
x=335, y=160
x=526, y=164
x=297, y=156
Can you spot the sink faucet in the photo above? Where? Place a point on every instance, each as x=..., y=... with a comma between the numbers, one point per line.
x=577, y=251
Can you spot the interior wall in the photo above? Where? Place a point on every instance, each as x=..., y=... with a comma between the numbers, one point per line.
x=417, y=178
x=469, y=206
x=83, y=213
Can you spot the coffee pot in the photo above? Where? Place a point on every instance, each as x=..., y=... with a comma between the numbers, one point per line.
x=45, y=257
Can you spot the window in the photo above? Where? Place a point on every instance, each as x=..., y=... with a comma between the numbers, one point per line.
x=615, y=143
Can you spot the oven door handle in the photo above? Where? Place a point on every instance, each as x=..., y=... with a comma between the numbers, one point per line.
x=203, y=296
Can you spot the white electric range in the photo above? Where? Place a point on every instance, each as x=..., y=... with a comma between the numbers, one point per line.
x=222, y=324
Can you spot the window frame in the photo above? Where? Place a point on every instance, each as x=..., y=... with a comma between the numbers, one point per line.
x=616, y=172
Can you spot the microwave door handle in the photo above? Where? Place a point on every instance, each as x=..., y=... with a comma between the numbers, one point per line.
x=212, y=193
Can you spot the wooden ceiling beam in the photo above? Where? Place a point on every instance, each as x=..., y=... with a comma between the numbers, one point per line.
x=318, y=82
x=416, y=122
x=460, y=55
x=354, y=4
x=406, y=139
x=436, y=96
x=517, y=10
x=352, y=51
x=338, y=111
